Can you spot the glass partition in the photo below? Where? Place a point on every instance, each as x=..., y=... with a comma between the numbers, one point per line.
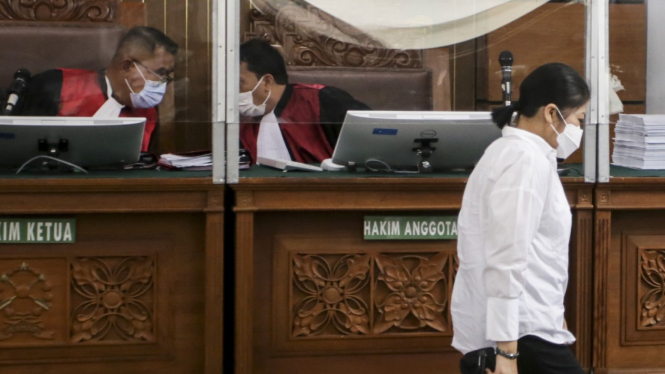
x=637, y=54
x=66, y=60
x=411, y=56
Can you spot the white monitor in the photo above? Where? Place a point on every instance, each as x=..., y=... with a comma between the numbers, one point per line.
x=84, y=141
x=388, y=138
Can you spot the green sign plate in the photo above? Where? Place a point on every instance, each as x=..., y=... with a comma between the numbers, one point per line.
x=409, y=228
x=37, y=230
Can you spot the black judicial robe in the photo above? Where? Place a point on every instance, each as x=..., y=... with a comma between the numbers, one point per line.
x=310, y=118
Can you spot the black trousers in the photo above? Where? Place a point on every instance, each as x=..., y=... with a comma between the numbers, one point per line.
x=537, y=356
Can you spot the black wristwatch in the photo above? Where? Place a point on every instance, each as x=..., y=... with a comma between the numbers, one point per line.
x=510, y=356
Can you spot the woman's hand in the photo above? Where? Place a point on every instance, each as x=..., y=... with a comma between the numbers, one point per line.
x=504, y=366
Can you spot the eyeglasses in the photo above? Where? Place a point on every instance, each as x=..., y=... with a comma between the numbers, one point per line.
x=162, y=78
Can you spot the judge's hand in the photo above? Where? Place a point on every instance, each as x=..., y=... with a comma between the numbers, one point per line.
x=503, y=366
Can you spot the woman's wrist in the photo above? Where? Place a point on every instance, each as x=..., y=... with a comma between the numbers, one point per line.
x=509, y=347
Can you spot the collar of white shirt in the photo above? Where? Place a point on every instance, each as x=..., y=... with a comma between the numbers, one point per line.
x=534, y=139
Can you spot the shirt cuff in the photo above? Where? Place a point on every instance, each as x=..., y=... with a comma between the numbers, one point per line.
x=502, y=319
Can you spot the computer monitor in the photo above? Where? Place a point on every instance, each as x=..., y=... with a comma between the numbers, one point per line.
x=84, y=141
x=388, y=139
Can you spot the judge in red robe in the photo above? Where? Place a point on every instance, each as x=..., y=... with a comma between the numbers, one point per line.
x=131, y=86
x=303, y=121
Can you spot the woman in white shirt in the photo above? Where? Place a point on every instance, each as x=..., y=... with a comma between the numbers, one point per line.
x=514, y=229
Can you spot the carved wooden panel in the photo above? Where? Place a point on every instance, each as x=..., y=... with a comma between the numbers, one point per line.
x=59, y=10
x=32, y=302
x=651, y=290
x=411, y=293
x=644, y=289
x=370, y=296
x=112, y=299
x=85, y=308
x=330, y=295
x=310, y=37
x=333, y=295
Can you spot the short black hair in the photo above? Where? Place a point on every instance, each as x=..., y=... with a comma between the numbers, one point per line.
x=262, y=59
x=147, y=39
x=553, y=83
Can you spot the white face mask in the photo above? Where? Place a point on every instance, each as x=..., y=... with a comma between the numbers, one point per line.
x=246, y=104
x=569, y=140
x=151, y=94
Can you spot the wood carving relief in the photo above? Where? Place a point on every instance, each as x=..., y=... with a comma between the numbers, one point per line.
x=58, y=10
x=413, y=302
x=369, y=294
x=310, y=37
x=332, y=301
x=652, y=289
x=26, y=295
x=112, y=299
x=643, y=283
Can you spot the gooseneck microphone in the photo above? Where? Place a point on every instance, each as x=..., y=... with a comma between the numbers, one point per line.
x=16, y=89
x=506, y=61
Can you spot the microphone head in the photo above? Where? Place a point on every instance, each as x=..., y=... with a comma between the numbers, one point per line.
x=22, y=74
x=506, y=58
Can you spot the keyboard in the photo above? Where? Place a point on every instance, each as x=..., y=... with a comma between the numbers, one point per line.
x=286, y=164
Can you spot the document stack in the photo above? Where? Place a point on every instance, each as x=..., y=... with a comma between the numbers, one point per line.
x=185, y=161
x=640, y=141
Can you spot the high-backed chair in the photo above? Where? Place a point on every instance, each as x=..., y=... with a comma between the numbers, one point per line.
x=39, y=46
x=379, y=88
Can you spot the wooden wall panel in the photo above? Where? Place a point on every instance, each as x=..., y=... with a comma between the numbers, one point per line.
x=133, y=14
x=438, y=61
x=126, y=297
x=552, y=33
x=463, y=62
x=628, y=49
x=633, y=339
x=404, y=325
x=555, y=33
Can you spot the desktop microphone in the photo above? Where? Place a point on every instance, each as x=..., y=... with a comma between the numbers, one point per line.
x=16, y=90
x=506, y=61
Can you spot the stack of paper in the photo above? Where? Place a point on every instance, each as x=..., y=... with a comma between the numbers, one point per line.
x=640, y=141
x=187, y=162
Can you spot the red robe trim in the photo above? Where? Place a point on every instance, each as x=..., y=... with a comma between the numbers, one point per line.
x=300, y=122
x=81, y=96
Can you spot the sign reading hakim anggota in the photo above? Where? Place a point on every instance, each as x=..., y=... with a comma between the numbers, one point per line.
x=409, y=228
x=37, y=230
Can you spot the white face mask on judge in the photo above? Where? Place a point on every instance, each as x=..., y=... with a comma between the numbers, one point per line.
x=151, y=94
x=569, y=140
x=246, y=105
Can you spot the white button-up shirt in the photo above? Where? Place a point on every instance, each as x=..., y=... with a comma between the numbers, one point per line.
x=514, y=229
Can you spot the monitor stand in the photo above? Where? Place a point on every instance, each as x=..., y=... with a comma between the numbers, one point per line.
x=50, y=161
x=425, y=151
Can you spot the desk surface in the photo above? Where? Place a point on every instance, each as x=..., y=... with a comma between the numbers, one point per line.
x=106, y=174
x=622, y=172
x=261, y=174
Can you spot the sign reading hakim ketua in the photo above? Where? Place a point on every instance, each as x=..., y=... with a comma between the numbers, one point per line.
x=37, y=230
x=409, y=228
